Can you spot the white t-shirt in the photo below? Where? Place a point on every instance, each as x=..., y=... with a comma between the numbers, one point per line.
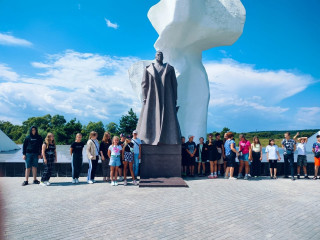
x=136, y=143
x=115, y=150
x=272, y=150
x=301, y=147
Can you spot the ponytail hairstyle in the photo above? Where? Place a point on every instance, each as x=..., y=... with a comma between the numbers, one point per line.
x=46, y=140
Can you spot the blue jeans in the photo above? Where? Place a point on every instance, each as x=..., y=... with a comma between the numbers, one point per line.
x=288, y=160
x=136, y=165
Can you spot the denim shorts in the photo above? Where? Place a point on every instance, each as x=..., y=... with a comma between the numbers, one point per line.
x=115, y=161
x=32, y=160
x=244, y=157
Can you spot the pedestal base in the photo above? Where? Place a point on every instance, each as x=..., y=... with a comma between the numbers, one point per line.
x=161, y=166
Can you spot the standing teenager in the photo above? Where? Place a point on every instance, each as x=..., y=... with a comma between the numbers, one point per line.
x=231, y=154
x=77, y=158
x=225, y=138
x=184, y=156
x=137, y=152
x=93, y=156
x=49, y=154
x=31, y=151
x=256, y=157
x=201, y=157
x=120, y=168
x=289, y=147
x=114, y=153
x=220, y=156
x=302, y=155
x=273, y=156
x=191, y=148
x=104, y=147
x=128, y=157
x=316, y=151
x=244, y=149
x=212, y=156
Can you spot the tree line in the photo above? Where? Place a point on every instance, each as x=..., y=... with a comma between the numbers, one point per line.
x=64, y=131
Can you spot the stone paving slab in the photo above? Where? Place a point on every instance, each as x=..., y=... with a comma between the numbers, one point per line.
x=208, y=209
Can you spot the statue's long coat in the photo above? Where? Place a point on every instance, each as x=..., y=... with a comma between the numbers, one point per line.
x=158, y=122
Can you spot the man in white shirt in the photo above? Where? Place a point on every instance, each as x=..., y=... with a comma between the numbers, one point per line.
x=302, y=157
x=137, y=152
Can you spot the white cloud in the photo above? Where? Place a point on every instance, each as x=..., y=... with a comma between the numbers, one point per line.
x=83, y=85
x=307, y=116
x=6, y=39
x=111, y=25
x=7, y=74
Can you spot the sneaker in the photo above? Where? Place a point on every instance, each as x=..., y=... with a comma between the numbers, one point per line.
x=73, y=181
x=306, y=177
x=240, y=175
x=43, y=184
x=77, y=180
x=215, y=176
x=249, y=176
x=125, y=183
x=48, y=183
x=271, y=177
x=90, y=182
x=211, y=177
x=112, y=183
x=94, y=181
x=120, y=179
x=232, y=178
x=298, y=176
x=274, y=177
x=246, y=178
x=293, y=178
x=135, y=182
x=25, y=183
x=115, y=183
x=36, y=182
x=315, y=178
x=226, y=177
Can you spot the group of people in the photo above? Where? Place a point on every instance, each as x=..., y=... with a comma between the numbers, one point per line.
x=117, y=154
x=222, y=155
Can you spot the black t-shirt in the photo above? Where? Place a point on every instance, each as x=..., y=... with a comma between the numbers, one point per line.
x=127, y=148
x=104, y=146
x=77, y=147
x=191, y=146
x=218, y=143
x=184, y=150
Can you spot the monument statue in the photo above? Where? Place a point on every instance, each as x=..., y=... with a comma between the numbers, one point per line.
x=186, y=29
x=158, y=122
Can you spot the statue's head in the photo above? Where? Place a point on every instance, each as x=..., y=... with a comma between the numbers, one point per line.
x=197, y=24
x=159, y=56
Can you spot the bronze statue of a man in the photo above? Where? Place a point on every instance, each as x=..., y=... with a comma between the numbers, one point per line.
x=158, y=122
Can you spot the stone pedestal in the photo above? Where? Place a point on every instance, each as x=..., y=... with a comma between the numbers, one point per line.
x=160, y=161
x=161, y=166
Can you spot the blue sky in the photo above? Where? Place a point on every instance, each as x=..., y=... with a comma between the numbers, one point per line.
x=61, y=57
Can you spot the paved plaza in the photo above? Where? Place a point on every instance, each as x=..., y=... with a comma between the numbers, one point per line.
x=208, y=209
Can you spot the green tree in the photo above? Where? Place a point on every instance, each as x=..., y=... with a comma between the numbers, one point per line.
x=112, y=128
x=128, y=122
x=93, y=126
x=57, y=121
x=224, y=130
x=71, y=129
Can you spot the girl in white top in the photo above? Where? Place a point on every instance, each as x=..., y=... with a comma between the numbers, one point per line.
x=273, y=156
x=114, y=153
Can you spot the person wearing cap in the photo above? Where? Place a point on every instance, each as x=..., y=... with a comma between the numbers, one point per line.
x=121, y=143
x=137, y=152
x=191, y=148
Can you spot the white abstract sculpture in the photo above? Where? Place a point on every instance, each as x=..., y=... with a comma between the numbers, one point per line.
x=186, y=28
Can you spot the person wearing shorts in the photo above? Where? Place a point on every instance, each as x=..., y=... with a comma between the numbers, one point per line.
x=220, y=155
x=128, y=157
x=316, y=151
x=244, y=149
x=191, y=149
x=114, y=153
x=302, y=157
x=273, y=156
x=31, y=151
x=231, y=154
